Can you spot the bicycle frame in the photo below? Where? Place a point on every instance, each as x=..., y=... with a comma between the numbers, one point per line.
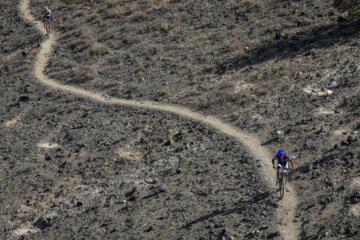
x=47, y=26
x=282, y=182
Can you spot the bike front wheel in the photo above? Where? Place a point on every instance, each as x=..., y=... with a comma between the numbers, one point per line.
x=282, y=187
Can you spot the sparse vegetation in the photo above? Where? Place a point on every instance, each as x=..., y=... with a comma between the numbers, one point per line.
x=82, y=75
x=69, y=2
x=98, y=49
x=350, y=6
x=246, y=62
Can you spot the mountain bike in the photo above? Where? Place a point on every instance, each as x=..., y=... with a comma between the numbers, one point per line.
x=282, y=183
x=47, y=25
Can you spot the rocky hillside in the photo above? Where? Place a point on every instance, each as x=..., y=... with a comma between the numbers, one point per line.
x=285, y=71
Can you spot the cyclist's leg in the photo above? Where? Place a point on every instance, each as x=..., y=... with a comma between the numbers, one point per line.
x=278, y=172
x=50, y=28
x=286, y=167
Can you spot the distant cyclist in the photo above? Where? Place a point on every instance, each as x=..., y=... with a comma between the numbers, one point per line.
x=282, y=162
x=47, y=15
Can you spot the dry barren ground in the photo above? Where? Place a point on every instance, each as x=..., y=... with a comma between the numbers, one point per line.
x=264, y=66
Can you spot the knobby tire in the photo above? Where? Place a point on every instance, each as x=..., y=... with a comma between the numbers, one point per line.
x=282, y=187
x=47, y=30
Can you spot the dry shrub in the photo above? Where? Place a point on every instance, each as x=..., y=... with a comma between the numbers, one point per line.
x=175, y=31
x=94, y=18
x=251, y=4
x=4, y=4
x=98, y=49
x=79, y=13
x=162, y=26
x=116, y=13
x=114, y=44
x=76, y=33
x=240, y=54
x=113, y=2
x=58, y=6
x=163, y=92
x=130, y=40
x=113, y=60
x=204, y=102
x=261, y=91
x=208, y=23
x=350, y=6
x=132, y=8
x=82, y=75
x=133, y=88
x=73, y=2
x=66, y=26
x=159, y=5
x=196, y=13
x=84, y=33
x=235, y=46
x=209, y=68
x=25, y=67
x=78, y=45
x=138, y=16
x=192, y=92
x=106, y=35
x=307, y=21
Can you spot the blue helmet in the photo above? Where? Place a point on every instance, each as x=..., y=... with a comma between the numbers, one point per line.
x=281, y=153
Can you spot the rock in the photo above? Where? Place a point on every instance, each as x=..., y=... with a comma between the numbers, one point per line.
x=47, y=157
x=132, y=199
x=323, y=129
x=131, y=192
x=151, y=180
x=333, y=84
x=355, y=197
x=24, y=98
x=263, y=227
x=273, y=235
x=162, y=188
x=24, y=53
x=148, y=229
x=42, y=223
x=331, y=13
x=351, y=138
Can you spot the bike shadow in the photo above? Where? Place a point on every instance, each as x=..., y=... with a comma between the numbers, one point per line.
x=238, y=208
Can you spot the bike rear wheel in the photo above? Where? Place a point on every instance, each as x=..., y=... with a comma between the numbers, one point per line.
x=47, y=27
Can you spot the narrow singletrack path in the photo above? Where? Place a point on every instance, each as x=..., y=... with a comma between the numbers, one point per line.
x=286, y=212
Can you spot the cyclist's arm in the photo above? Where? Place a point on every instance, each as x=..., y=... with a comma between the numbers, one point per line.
x=292, y=164
x=52, y=17
x=273, y=162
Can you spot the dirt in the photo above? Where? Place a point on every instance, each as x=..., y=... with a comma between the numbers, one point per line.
x=278, y=87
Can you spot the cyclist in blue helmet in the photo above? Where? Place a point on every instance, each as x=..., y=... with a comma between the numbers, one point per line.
x=282, y=162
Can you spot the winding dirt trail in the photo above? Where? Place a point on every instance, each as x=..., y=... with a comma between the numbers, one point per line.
x=286, y=212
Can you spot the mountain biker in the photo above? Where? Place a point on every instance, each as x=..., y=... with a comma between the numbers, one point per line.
x=47, y=15
x=282, y=162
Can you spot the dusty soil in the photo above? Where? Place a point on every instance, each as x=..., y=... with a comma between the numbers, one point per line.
x=265, y=67
x=74, y=168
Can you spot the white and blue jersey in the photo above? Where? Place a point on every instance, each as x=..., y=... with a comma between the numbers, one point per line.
x=47, y=14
